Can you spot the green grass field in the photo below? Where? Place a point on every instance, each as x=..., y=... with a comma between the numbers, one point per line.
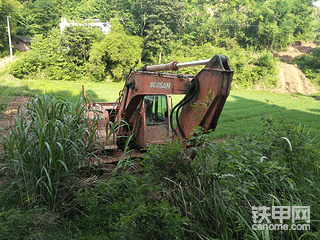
x=242, y=113
x=11, y=87
x=63, y=89
x=244, y=110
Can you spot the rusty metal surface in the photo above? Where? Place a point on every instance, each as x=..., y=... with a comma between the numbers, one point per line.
x=108, y=105
x=204, y=110
x=172, y=66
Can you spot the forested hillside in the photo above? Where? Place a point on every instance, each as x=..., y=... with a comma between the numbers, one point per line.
x=153, y=32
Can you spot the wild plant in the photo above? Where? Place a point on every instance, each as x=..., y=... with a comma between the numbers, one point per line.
x=225, y=180
x=47, y=143
x=291, y=143
x=192, y=184
x=124, y=207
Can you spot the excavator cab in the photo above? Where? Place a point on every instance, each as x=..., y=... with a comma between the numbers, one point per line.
x=154, y=127
x=156, y=109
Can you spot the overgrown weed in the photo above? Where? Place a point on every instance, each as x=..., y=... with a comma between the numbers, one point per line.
x=45, y=147
x=225, y=180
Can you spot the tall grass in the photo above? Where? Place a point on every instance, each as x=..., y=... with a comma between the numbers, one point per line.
x=48, y=141
x=207, y=191
x=204, y=192
x=218, y=187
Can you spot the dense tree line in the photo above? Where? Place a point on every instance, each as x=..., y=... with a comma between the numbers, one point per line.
x=261, y=23
x=163, y=27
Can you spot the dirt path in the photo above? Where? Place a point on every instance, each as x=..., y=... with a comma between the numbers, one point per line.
x=291, y=78
x=5, y=118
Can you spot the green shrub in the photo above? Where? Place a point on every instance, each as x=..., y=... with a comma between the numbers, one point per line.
x=58, y=56
x=254, y=69
x=115, y=54
x=17, y=225
x=291, y=143
x=167, y=161
x=33, y=223
x=27, y=64
x=310, y=65
x=250, y=69
x=124, y=207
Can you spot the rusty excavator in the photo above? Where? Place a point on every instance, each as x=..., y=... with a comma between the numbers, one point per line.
x=144, y=105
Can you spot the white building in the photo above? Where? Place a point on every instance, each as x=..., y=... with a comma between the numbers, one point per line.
x=104, y=27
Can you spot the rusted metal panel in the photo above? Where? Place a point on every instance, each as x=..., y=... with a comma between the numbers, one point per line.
x=155, y=83
x=157, y=134
x=108, y=105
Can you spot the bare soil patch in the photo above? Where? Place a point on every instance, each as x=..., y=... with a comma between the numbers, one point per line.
x=296, y=49
x=5, y=117
x=291, y=78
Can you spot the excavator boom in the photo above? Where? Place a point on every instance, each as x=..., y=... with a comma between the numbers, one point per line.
x=205, y=93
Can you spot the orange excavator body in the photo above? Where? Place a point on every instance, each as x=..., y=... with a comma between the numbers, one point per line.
x=143, y=110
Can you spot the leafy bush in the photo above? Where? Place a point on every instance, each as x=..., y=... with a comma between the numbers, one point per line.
x=45, y=147
x=76, y=42
x=13, y=224
x=124, y=207
x=18, y=224
x=310, y=65
x=80, y=52
x=58, y=56
x=291, y=144
x=115, y=53
x=45, y=52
